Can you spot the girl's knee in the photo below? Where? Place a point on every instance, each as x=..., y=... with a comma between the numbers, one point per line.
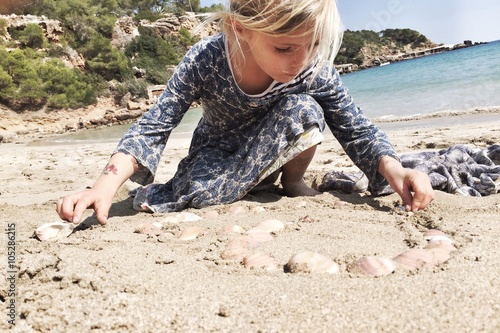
x=302, y=108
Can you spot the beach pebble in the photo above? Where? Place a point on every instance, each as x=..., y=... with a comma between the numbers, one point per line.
x=223, y=311
x=54, y=230
x=259, y=235
x=373, y=266
x=311, y=262
x=271, y=225
x=230, y=229
x=258, y=209
x=191, y=233
x=148, y=228
x=307, y=219
x=260, y=260
x=415, y=259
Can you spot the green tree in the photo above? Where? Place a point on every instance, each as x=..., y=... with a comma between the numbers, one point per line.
x=65, y=87
x=186, y=38
x=152, y=53
x=212, y=8
x=403, y=37
x=350, y=50
x=187, y=5
x=105, y=60
x=32, y=36
x=7, y=87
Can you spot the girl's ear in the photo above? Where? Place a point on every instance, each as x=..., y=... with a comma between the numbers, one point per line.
x=238, y=29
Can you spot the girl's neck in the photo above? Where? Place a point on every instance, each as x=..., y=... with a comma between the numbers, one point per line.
x=251, y=79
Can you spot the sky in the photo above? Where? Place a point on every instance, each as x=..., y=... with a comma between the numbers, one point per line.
x=442, y=21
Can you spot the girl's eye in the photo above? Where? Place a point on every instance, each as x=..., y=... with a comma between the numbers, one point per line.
x=286, y=50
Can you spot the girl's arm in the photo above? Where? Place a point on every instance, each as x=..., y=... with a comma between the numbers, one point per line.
x=119, y=168
x=139, y=151
x=368, y=146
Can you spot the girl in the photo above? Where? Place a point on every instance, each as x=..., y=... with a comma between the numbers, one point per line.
x=268, y=86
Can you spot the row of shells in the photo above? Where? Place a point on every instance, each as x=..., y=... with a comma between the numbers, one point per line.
x=243, y=247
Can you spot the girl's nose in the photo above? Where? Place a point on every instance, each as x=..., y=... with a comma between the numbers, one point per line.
x=300, y=58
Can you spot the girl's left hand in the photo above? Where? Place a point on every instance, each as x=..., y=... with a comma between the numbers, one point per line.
x=414, y=187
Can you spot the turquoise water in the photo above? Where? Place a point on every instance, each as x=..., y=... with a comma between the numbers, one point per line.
x=458, y=80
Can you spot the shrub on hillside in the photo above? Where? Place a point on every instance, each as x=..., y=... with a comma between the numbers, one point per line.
x=31, y=36
x=27, y=80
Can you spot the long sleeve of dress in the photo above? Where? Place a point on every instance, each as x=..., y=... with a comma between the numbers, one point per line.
x=146, y=138
x=363, y=142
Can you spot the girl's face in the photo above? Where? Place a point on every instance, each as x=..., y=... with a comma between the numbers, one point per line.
x=281, y=58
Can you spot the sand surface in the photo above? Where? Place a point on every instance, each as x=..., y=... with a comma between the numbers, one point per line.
x=110, y=278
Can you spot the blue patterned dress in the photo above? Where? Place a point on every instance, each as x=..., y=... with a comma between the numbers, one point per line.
x=239, y=135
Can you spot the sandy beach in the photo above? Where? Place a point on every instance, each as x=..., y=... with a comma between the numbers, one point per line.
x=111, y=278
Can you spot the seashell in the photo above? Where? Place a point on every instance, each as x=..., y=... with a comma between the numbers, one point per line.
x=211, y=214
x=231, y=229
x=415, y=259
x=191, y=233
x=373, y=266
x=54, y=230
x=260, y=260
x=339, y=204
x=245, y=241
x=439, y=255
x=442, y=244
x=258, y=209
x=236, y=210
x=235, y=251
x=271, y=225
x=148, y=228
x=171, y=219
x=301, y=204
x=259, y=235
x=311, y=262
x=434, y=234
x=188, y=217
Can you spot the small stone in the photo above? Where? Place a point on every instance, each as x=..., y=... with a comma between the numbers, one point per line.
x=223, y=311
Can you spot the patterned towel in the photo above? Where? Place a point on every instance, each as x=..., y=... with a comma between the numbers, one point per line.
x=459, y=169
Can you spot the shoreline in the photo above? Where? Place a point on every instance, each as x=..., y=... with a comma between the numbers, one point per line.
x=47, y=135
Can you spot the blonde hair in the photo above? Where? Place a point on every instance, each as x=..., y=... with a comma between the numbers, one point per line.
x=280, y=17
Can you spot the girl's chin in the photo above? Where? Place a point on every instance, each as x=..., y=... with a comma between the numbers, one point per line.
x=285, y=78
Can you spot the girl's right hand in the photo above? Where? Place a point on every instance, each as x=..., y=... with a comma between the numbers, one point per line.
x=71, y=207
x=119, y=168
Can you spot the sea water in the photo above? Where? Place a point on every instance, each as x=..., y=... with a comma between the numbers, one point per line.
x=458, y=80
x=454, y=81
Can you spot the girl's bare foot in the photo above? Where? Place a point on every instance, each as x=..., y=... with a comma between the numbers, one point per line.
x=297, y=189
